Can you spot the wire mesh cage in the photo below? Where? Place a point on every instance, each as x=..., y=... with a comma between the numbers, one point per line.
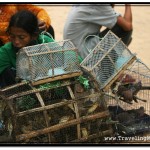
x=107, y=59
x=47, y=60
x=128, y=99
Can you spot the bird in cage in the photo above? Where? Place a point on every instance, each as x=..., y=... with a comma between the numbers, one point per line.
x=126, y=87
x=129, y=91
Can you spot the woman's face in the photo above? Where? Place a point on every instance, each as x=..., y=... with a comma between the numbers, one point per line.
x=19, y=37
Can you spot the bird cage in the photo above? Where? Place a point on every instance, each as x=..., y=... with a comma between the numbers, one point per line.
x=62, y=111
x=47, y=60
x=128, y=99
x=107, y=59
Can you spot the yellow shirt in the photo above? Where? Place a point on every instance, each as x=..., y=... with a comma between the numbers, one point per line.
x=7, y=10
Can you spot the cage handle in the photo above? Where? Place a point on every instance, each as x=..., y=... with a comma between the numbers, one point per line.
x=85, y=41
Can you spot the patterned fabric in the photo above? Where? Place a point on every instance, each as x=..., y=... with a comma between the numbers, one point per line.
x=9, y=9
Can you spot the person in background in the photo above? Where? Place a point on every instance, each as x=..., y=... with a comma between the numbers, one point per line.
x=7, y=10
x=86, y=20
x=23, y=30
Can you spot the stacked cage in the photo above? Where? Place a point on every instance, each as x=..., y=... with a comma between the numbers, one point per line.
x=125, y=81
x=60, y=108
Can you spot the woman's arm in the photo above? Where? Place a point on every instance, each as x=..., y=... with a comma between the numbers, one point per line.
x=4, y=58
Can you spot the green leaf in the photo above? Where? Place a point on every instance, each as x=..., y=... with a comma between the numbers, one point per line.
x=83, y=81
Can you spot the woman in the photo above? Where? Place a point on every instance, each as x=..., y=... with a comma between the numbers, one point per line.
x=7, y=10
x=23, y=31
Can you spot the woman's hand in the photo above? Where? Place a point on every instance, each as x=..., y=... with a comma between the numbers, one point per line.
x=42, y=25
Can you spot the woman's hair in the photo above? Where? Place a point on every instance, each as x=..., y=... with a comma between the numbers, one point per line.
x=26, y=20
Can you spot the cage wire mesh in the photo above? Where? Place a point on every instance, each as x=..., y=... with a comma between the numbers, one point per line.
x=47, y=60
x=108, y=57
x=133, y=117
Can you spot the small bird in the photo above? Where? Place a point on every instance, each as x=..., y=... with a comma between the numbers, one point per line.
x=129, y=91
x=125, y=93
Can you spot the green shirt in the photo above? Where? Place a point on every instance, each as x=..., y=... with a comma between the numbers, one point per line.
x=8, y=52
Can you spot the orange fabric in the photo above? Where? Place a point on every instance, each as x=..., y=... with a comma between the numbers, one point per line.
x=7, y=10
